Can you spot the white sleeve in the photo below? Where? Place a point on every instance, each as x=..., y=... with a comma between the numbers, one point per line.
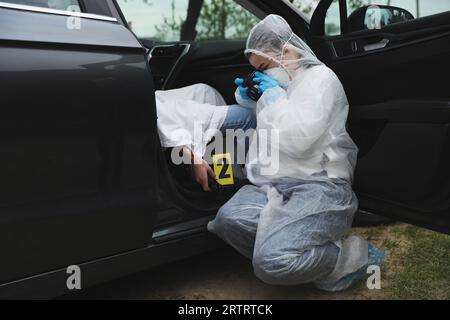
x=246, y=103
x=302, y=118
x=187, y=123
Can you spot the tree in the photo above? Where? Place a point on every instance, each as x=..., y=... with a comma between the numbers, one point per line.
x=210, y=20
x=355, y=4
x=307, y=7
x=188, y=30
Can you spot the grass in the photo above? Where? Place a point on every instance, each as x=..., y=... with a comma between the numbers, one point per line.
x=425, y=271
x=417, y=263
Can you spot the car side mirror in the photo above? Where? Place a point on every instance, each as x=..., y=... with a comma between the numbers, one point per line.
x=376, y=17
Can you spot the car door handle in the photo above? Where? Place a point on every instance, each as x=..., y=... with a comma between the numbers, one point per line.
x=377, y=45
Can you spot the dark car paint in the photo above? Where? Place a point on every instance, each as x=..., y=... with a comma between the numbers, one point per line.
x=78, y=132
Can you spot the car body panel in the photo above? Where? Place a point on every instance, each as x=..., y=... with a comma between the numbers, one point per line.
x=78, y=128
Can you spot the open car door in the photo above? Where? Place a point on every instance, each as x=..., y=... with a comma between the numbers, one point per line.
x=396, y=79
x=78, y=164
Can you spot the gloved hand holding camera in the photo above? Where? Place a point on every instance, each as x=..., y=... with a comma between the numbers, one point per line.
x=265, y=82
x=242, y=89
x=253, y=86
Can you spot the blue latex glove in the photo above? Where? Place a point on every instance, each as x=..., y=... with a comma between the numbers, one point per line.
x=265, y=82
x=243, y=90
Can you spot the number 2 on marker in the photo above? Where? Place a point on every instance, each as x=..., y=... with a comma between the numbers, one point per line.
x=223, y=169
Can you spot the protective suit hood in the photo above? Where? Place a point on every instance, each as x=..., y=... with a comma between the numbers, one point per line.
x=271, y=36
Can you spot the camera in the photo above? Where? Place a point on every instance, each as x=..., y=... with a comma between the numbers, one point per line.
x=253, y=87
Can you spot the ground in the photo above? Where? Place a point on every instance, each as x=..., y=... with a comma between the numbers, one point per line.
x=417, y=266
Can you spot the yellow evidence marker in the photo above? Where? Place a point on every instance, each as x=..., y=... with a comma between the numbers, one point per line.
x=223, y=169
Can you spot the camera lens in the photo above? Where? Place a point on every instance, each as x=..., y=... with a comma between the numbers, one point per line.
x=253, y=88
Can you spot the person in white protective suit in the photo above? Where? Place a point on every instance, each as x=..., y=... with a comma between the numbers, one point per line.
x=293, y=222
x=191, y=116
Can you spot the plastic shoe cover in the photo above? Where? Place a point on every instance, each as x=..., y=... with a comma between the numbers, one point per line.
x=376, y=257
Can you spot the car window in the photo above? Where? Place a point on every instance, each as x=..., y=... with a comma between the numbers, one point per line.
x=187, y=20
x=68, y=5
x=417, y=8
x=332, y=21
x=306, y=7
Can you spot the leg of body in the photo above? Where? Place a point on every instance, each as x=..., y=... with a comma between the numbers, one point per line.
x=236, y=131
x=239, y=117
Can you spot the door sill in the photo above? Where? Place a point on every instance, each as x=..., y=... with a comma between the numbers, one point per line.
x=181, y=230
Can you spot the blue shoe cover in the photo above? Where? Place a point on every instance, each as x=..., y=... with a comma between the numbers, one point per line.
x=376, y=257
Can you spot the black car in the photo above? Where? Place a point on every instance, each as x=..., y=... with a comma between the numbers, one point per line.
x=83, y=179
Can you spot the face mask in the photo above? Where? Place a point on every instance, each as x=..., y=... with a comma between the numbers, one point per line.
x=280, y=75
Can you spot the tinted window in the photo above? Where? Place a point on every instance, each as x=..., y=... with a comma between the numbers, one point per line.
x=187, y=20
x=418, y=8
x=307, y=7
x=332, y=19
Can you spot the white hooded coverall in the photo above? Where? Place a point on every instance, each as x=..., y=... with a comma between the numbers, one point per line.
x=293, y=222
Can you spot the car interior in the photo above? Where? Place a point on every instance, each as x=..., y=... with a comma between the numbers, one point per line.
x=388, y=111
x=394, y=78
x=183, y=63
x=217, y=64
x=213, y=63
